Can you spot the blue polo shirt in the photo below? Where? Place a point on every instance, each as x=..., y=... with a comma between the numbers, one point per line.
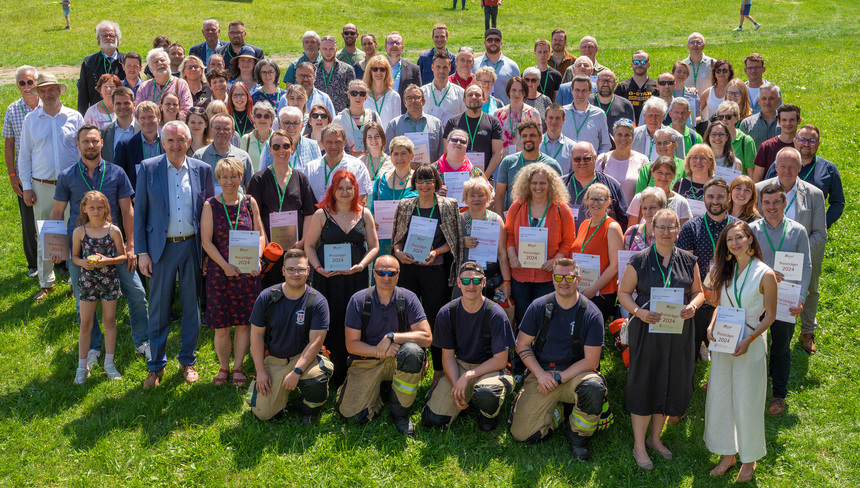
x=74, y=182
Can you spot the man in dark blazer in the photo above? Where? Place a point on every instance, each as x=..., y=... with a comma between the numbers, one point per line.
x=236, y=32
x=123, y=125
x=107, y=60
x=403, y=72
x=211, y=31
x=144, y=144
x=170, y=192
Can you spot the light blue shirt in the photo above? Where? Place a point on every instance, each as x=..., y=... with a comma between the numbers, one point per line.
x=120, y=134
x=395, y=73
x=180, y=201
x=589, y=126
x=559, y=150
x=505, y=69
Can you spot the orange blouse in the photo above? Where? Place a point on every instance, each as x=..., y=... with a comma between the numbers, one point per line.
x=598, y=246
x=560, y=236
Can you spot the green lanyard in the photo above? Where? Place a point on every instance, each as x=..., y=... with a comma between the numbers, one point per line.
x=793, y=198
x=143, y=146
x=473, y=134
x=560, y=145
x=667, y=276
x=352, y=58
x=784, y=227
x=540, y=222
x=375, y=171
x=708, y=228
x=244, y=125
x=423, y=124
x=741, y=292
x=24, y=111
x=403, y=191
x=104, y=170
x=696, y=70
x=394, y=75
x=106, y=111
x=582, y=249
x=155, y=84
x=327, y=79
x=495, y=65
x=469, y=217
x=378, y=106
x=296, y=154
x=811, y=169
x=513, y=129
x=651, y=151
x=522, y=161
x=329, y=172
x=433, y=92
x=257, y=138
x=578, y=129
x=238, y=212
x=363, y=114
x=281, y=194
x=432, y=209
x=578, y=193
x=545, y=81
x=605, y=110
x=693, y=190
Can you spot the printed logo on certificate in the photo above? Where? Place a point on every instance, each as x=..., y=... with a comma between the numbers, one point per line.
x=697, y=207
x=245, y=250
x=727, y=174
x=422, y=146
x=623, y=260
x=589, y=270
x=728, y=329
x=790, y=264
x=455, y=180
x=487, y=250
x=787, y=297
x=670, y=318
x=440, y=113
x=419, y=242
x=665, y=295
x=532, y=249
x=338, y=257
x=284, y=228
x=383, y=213
x=477, y=159
x=54, y=239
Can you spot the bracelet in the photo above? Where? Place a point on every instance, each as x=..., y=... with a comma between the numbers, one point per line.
x=318, y=268
x=506, y=282
x=695, y=308
x=12, y=174
x=635, y=310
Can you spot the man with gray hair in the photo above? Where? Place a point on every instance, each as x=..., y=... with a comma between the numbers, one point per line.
x=587, y=48
x=644, y=137
x=107, y=61
x=163, y=82
x=305, y=150
x=679, y=112
x=583, y=66
x=211, y=43
x=698, y=63
x=311, y=54
x=583, y=160
x=765, y=124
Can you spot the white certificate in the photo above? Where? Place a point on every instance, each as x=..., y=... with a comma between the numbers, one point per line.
x=512, y=149
x=245, y=250
x=589, y=269
x=284, y=228
x=790, y=264
x=670, y=318
x=358, y=140
x=440, y=113
x=477, y=159
x=454, y=180
x=787, y=296
x=667, y=295
x=532, y=249
x=487, y=233
x=54, y=239
x=419, y=242
x=728, y=329
x=383, y=213
x=697, y=207
x=727, y=174
x=421, y=154
x=623, y=260
x=338, y=257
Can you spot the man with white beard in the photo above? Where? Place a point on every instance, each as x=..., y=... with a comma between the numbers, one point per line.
x=107, y=60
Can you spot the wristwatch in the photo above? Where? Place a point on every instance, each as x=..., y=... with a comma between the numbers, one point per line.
x=298, y=371
x=390, y=336
x=557, y=378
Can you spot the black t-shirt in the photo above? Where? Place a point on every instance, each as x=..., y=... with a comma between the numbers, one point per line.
x=438, y=236
x=621, y=108
x=288, y=321
x=637, y=95
x=383, y=318
x=558, y=349
x=489, y=130
x=549, y=87
x=470, y=333
x=298, y=196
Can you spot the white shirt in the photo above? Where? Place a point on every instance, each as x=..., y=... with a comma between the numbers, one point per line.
x=48, y=144
x=180, y=202
x=387, y=107
x=449, y=99
x=120, y=134
x=317, y=170
x=791, y=210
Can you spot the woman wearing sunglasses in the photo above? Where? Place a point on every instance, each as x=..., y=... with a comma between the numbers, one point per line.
x=318, y=118
x=599, y=236
x=340, y=220
x=355, y=117
x=198, y=122
x=477, y=194
x=744, y=145
x=660, y=376
x=540, y=201
x=394, y=180
x=717, y=138
x=721, y=73
x=426, y=275
x=383, y=99
x=534, y=98
x=454, y=160
x=255, y=141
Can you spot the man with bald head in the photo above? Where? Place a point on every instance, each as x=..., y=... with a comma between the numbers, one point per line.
x=588, y=48
x=698, y=63
x=613, y=106
x=639, y=87
x=583, y=66
x=350, y=54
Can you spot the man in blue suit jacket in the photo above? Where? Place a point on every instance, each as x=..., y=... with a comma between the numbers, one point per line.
x=144, y=144
x=171, y=189
x=210, y=46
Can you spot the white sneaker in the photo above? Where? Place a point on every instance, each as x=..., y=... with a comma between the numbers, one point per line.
x=738, y=28
x=756, y=26
x=93, y=358
x=81, y=375
x=111, y=372
x=144, y=350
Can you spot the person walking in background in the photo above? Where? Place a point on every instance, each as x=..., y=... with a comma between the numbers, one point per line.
x=746, y=5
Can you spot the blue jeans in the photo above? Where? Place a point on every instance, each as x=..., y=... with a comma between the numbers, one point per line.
x=490, y=13
x=780, y=356
x=524, y=294
x=135, y=295
x=182, y=257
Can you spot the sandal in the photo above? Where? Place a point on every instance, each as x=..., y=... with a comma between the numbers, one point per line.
x=221, y=377
x=239, y=378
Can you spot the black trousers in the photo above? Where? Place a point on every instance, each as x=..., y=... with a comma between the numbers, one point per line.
x=430, y=283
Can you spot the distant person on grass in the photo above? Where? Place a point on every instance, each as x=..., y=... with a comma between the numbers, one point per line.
x=67, y=5
x=746, y=5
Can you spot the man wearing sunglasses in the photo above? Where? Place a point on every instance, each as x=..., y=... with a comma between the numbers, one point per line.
x=639, y=87
x=222, y=128
x=350, y=54
x=289, y=323
x=475, y=337
x=562, y=353
x=25, y=79
x=583, y=160
x=504, y=66
x=386, y=333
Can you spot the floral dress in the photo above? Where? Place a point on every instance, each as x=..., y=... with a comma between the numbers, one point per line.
x=99, y=284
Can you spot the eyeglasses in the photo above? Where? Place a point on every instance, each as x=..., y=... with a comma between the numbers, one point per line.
x=222, y=129
x=357, y=93
x=605, y=80
x=26, y=83
x=560, y=277
x=664, y=229
x=639, y=62
x=457, y=140
x=291, y=124
x=239, y=94
x=584, y=159
x=719, y=134
x=733, y=93
x=696, y=43
x=378, y=69
x=598, y=200
x=474, y=281
x=278, y=147
x=414, y=98
x=803, y=140
x=264, y=115
x=268, y=72
x=292, y=271
x=197, y=110
x=394, y=43
x=304, y=76
x=700, y=158
x=493, y=40
x=193, y=68
x=350, y=33
x=389, y=273
x=319, y=116
x=725, y=117
x=531, y=80
x=663, y=143
x=425, y=181
x=665, y=83
x=721, y=70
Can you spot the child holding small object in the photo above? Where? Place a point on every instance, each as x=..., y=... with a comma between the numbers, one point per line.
x=97, y=247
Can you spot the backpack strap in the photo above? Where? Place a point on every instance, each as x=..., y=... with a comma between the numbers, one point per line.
x=276, y=294
x=549, y=311
x=400, y=302
x=309, y=312
x=488, y=339
x=577, y=325
x=365, y=313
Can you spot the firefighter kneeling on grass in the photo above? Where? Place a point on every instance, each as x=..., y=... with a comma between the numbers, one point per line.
x=559, y=341
x=288, y=326
x=386, y=332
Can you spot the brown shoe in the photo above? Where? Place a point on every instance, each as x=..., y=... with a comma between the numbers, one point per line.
x=808, y=343
x=43, y=293
x=189, y=374
x=153, y=379
x=777, y=406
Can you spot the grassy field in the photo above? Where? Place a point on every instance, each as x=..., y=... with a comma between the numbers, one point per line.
x=55, y=433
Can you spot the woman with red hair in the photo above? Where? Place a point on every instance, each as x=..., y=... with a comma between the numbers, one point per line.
x=240, y=106
x=340, y=271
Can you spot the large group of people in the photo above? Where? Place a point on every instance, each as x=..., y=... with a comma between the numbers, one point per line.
x=373, y=208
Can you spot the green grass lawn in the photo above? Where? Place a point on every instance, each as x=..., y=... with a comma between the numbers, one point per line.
x=55, y=433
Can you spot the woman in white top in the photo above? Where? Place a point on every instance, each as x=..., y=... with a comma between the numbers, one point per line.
x=383, y=99
x=734, y=409
x=101, y=114
x=255, y=141
x=663, y=171
x=355, y=117
x=374, y=158
x=721, y=73
x=623, y=163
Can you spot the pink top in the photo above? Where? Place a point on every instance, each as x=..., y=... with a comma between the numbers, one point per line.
x=174, y=85
x=626, y=172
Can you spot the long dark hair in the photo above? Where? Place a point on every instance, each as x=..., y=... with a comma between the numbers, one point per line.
x=724, y=269
x=728, y=149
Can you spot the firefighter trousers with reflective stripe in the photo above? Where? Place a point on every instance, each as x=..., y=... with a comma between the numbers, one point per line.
x=533, y=412
x=312, y=386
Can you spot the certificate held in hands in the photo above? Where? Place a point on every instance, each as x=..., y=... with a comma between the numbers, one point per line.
x=245, y=250
x=338, y=257
x=421, y=154
x=670, y=318
x=284, y=228
x=487, y=250
x=790, y=264
x=419, y=242
x=383, y=213
x=728, y=329
x=787, y=297
x=589, y=270
x=55, y=241
x=532, y=249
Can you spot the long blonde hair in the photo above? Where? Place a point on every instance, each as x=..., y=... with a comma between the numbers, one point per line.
x=83, y=218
